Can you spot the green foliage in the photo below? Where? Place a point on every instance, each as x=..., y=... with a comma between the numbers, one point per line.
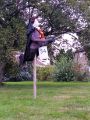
x=66, y=70
x=11, y=69
x=45, y=73
x=83, y=7
x=7, y=38
x=57, y=20
x=68, y=54
x=13, y=28
x=63, y=70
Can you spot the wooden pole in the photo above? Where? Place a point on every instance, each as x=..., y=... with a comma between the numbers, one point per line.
x=34, y=78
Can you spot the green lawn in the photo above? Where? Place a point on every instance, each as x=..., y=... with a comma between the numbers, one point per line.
x=55, y=101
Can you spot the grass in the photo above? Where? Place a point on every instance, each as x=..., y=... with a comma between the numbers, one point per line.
x=55, y=101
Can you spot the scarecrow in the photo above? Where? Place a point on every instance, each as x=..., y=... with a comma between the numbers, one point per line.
x=35, y=40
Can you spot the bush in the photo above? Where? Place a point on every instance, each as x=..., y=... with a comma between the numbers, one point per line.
x=45, y=73
x=11, y=69
x=13, y=72
x=65, y=71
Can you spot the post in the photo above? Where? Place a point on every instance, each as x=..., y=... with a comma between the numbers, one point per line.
x=34, y=78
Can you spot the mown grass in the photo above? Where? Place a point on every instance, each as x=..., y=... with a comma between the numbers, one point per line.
x=55, y=101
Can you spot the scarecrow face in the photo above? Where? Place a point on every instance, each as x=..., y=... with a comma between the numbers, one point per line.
x=36, y=23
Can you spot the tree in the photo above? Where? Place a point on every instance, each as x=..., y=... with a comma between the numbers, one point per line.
x=83, y=7
x=72, y=16
x=12, y=32
x=59, y=15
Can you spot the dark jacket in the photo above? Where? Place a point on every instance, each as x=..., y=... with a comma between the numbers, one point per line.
x=34, y=42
